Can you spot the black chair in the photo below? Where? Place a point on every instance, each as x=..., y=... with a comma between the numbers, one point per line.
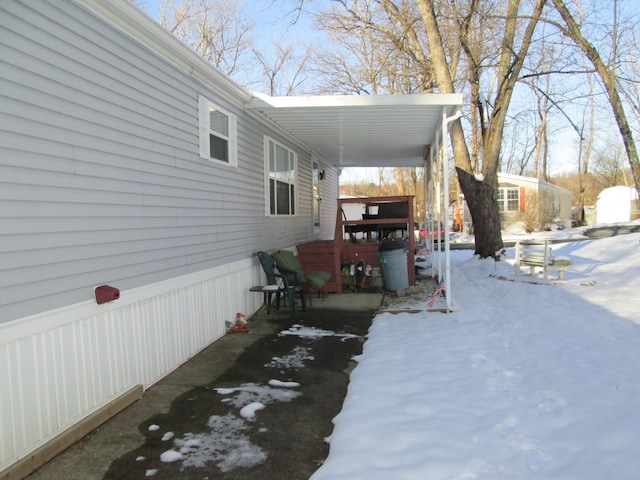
x=281, y=284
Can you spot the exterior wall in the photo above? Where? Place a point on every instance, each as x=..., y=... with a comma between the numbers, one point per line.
x=102, y=183
x=59, y=367
x=560, y=199
x=329, y=192
x=544, y=203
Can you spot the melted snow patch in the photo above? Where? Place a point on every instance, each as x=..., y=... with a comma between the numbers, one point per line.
x=295, y=360
x=253, y=392
x=225, y=445
x=312, y=332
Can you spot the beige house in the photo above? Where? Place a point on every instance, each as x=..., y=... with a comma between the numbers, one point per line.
x=536, y=203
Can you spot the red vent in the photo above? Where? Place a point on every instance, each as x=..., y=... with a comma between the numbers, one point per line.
x=105, y=293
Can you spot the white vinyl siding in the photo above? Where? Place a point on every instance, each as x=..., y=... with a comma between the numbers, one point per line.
x=102, y=182
x=101, y=179
x=218, y=133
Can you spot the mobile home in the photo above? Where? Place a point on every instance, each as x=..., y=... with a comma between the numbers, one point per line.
x=129, y=164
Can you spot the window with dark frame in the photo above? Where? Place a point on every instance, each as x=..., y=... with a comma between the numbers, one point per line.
x=282, y=174
x=218, y=135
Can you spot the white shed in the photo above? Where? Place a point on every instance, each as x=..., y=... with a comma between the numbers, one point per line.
x=617, y=204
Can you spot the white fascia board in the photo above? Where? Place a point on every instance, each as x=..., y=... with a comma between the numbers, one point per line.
x=529, y=180
x=430, y=99
x=518, y=179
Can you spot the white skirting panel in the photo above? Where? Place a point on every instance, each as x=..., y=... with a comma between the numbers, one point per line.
x=59, y=367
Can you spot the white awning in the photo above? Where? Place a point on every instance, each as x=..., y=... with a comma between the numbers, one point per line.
x=362, y=130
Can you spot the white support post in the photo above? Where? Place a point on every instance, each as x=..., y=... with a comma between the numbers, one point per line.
x=447, y=241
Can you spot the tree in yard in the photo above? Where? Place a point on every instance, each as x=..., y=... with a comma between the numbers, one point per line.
x=467, y=40
x=608, y=76
x=585, y=148
x=222, y=32
x=215, y=30
x=280, y=77
x=371, y=55
x=608, y=168
x=516, y=37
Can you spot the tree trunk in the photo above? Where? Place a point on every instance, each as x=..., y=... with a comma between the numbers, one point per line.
x=483, y=206
x=609, y=80
x=481, y=195
x=400, y=180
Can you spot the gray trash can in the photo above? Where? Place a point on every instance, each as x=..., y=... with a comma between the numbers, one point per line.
x=393, y=259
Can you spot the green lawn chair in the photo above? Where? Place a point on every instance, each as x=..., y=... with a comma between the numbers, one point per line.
x=288, y=264
x=280, y=281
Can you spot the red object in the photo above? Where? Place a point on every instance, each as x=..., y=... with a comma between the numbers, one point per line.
x=105, y=293
x=431, y=230
x=238, y=329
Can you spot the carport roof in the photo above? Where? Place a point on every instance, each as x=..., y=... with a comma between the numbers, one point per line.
x=362, y=130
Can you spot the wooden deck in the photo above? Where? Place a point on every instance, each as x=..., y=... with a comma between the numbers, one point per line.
x=328, y=255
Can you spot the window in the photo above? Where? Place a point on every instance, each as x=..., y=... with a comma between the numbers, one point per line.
x=509, y=199
x=315, y=176
x=217, y=133
x=281, y=168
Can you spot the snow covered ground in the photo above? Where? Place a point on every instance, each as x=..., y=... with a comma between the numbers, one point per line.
x=524, y=380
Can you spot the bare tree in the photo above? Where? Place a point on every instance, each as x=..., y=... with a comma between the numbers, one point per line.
x=284, y=69
x=609, y=168
x=629, y=80
x=519, y=145
x=607, y=74
x=399, y=174
x=516, y=37
x=586, y=135
x=376, y=54
x=375, y=51
x=216, y=30
x=466, y=43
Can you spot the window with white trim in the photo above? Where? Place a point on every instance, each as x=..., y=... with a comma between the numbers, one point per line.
x=218, y=132
x=315, y=182
x=281, y=172
x=509, y=199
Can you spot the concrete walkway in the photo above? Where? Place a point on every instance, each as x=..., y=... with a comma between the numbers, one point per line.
x=217, y=438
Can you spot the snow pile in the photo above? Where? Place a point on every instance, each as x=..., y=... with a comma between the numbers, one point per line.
x=523, y=381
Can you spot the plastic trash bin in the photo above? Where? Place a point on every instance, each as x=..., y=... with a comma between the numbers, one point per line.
x=393, y=259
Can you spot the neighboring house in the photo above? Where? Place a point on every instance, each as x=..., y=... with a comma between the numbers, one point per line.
x=536, y=203
x=617, y=204
x=127, y=160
